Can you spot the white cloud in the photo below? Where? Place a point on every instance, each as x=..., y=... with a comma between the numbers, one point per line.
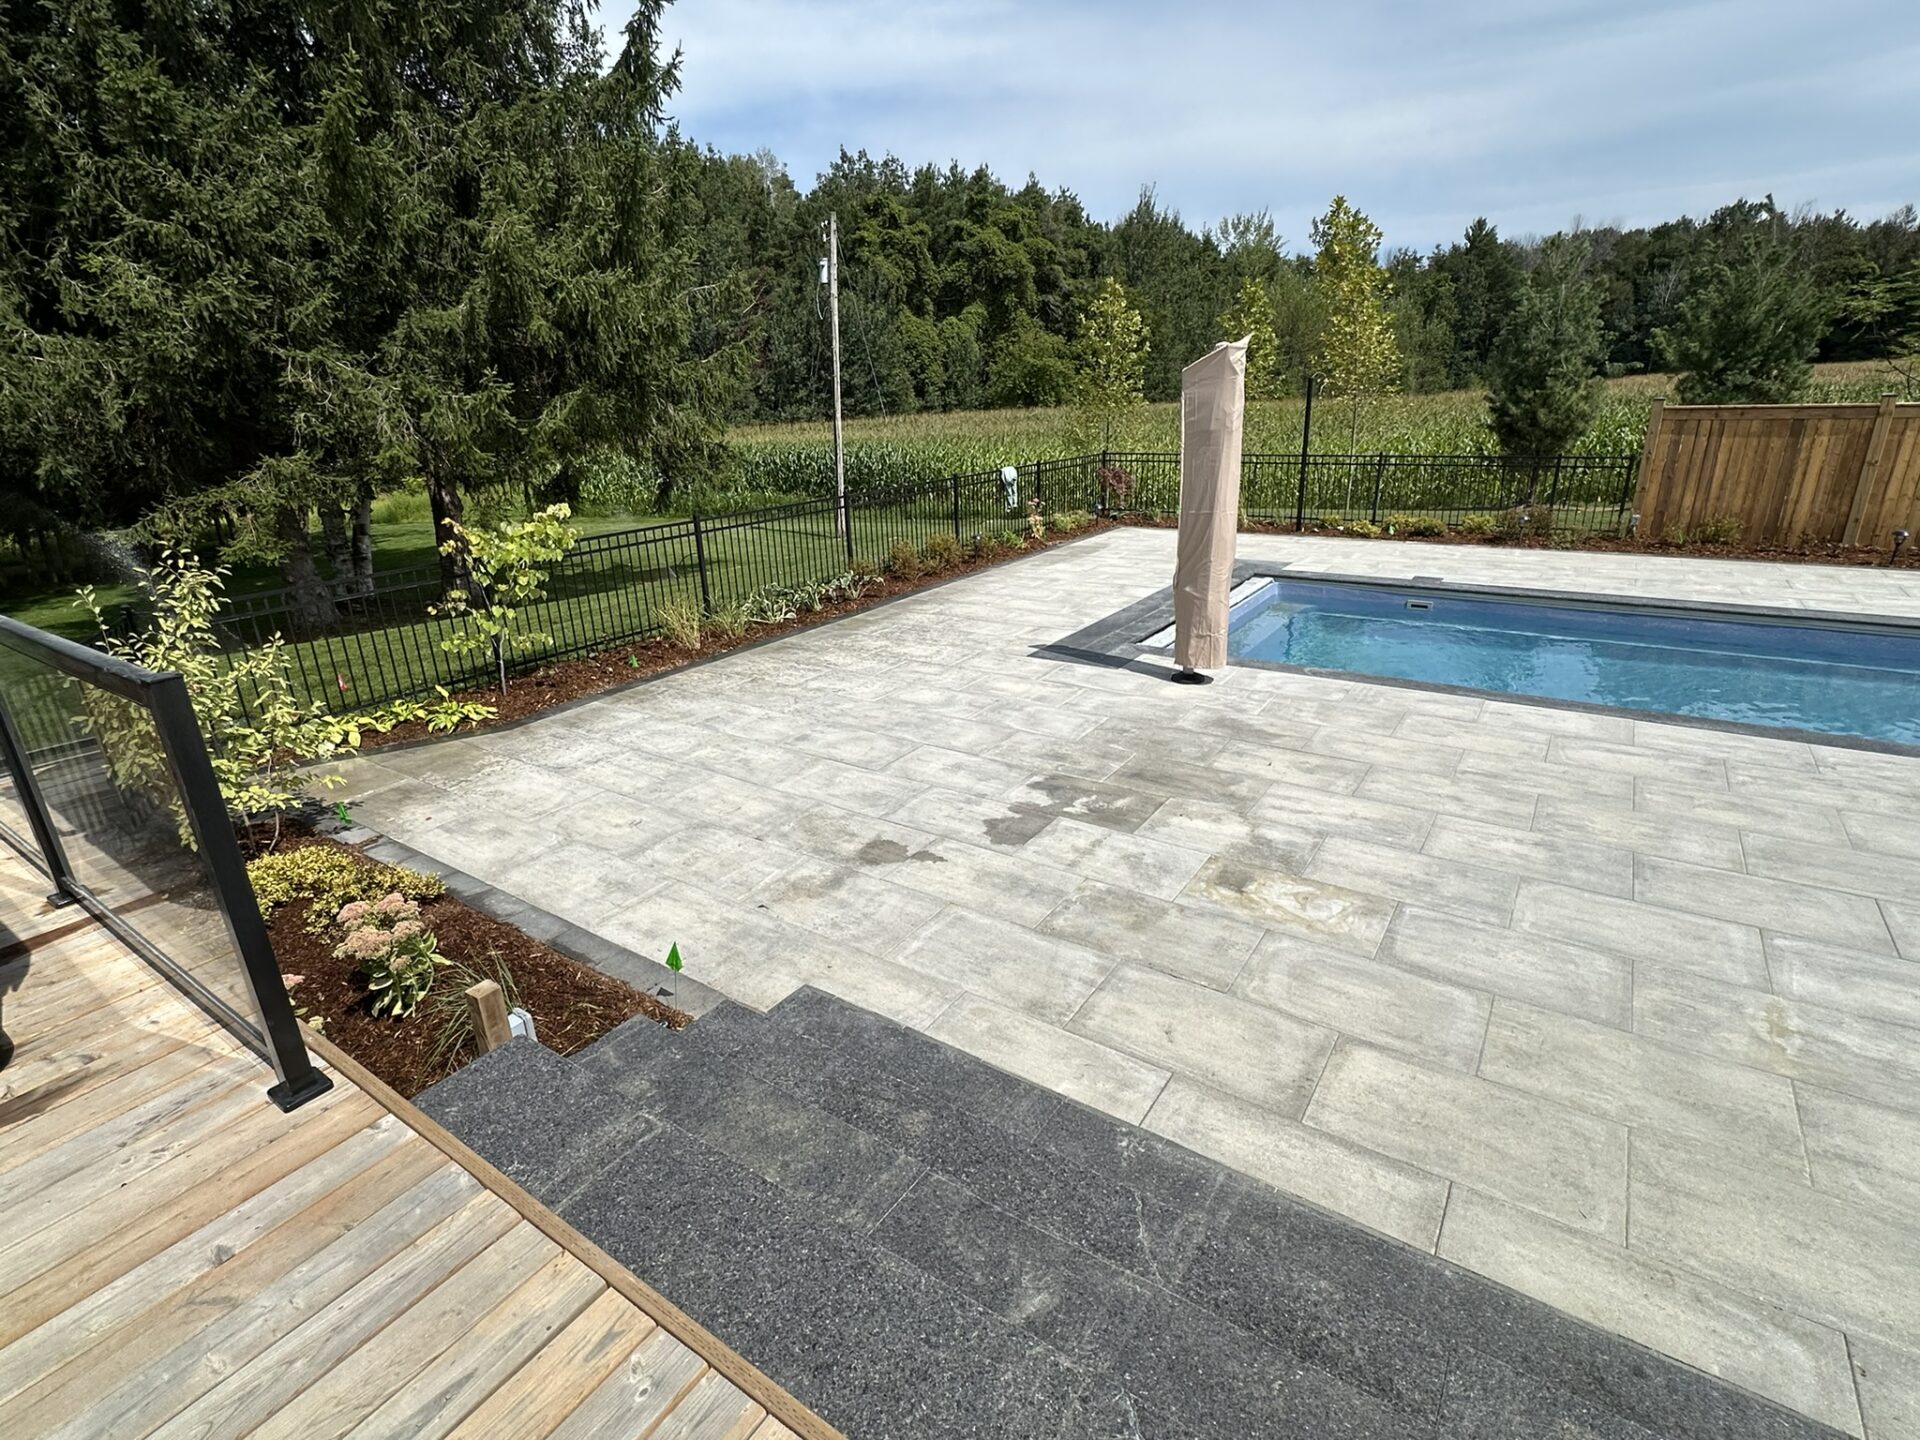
x=1526, y=110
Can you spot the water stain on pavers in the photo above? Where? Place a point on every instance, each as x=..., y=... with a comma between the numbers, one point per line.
x=891, y=852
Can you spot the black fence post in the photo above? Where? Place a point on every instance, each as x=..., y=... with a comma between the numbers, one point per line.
x=52, y=853
x=1379, y=477
x=846, y=525
x=956, y=507
x=1553, y=485
x=206, y=812
x=700, y=563
x=1306, y=437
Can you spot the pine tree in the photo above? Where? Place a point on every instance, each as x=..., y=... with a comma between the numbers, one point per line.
x=1111, y=357
x=1359, y=357
x=1747, y=332
x=264, y=267
x=1542, y=387
x=1251, y=314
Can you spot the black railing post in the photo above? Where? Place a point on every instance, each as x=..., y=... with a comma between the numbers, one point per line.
x=956, y=507
x=846, y=526
x=1553, y=485
x=52, y=853
x=206, y=812
x=1379, y=477
x=700, y=564
x=1306, y=437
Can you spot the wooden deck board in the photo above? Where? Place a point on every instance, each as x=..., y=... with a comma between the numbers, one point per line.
x=182, y=1259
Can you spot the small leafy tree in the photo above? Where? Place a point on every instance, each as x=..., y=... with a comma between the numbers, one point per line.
x=1359, y=357
x=1251, y=314
x=1542, y=388
x=1110, y=355
x=1747, y=332
x=261, y=735
x=506, y=568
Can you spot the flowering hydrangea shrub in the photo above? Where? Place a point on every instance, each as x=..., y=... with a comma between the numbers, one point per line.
x=392, y=946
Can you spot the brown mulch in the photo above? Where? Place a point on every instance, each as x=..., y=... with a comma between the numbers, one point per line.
x=1816, y=552
x=572, y=1004
x=566, y=680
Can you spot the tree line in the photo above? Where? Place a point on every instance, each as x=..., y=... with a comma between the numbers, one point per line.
x=960, y=291
x=258, y=264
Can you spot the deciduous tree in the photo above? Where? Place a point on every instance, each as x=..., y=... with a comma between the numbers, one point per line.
x=1359, y=358
x=1111, y=357
x=1251, y=314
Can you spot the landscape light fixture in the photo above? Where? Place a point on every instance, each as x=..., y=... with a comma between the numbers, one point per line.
x=1900, y=538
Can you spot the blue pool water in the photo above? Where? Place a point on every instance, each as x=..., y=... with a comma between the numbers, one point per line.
x=1837, y=679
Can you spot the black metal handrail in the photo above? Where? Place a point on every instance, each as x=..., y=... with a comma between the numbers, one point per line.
x=272, y=1029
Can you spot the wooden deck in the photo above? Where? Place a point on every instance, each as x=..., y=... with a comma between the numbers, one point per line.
x=179, y=1258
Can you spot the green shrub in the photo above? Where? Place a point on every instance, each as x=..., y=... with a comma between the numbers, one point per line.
x=774, y=604
x=903, y=561
x=1423, y=525
x=680, y=622
x=507, y=572
x=728, y=621
x=941, y=552
x=452, y=1017
x=329, y=878
x=1475, y=524
x=392, y=946
x=1523, y=521
x=402, y=507
x=260, y=729
x=1010, y=540
x=1328, y=522
x=1721, y=530
x=1065, y=522
x=1365, y=529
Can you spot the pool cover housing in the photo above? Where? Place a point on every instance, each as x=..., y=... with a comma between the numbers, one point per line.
x=1212, y=408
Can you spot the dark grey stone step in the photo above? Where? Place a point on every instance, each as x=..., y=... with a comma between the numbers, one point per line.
x=847, y=1176
x=536, y=1116
x=877, y=1346
x=1367, y=1311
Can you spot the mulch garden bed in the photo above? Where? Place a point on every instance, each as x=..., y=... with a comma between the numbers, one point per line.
x=1811, y=553
x=566, y=680
x=572, y=1004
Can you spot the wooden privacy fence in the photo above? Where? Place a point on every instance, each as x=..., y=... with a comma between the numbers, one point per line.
x=1841, y=473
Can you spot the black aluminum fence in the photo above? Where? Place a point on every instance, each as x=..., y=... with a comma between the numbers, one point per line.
x=611, y=589
x=1571, y=494
x=115, y=801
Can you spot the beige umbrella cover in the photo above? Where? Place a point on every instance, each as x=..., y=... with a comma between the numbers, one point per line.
x=1212, y=405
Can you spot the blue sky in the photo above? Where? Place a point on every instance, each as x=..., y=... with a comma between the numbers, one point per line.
x=1425, y=115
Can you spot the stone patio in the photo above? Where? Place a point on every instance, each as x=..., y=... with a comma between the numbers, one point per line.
x=1622, y=1015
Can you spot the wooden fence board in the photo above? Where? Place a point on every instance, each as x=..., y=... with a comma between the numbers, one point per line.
x=1786, y=473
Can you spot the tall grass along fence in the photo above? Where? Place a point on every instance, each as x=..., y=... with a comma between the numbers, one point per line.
x=610, y=590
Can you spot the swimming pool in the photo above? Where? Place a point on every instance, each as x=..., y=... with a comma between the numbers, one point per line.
x=1836, y=678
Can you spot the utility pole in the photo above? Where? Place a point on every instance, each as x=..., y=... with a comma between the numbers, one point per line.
x=831, y=268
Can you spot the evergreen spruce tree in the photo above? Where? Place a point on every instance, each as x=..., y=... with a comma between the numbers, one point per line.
x=269, y=264
x=1251, y=314
x=1542, y=386
x=1747, y=331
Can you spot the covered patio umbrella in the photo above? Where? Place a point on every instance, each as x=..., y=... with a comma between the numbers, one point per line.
x=1212, y=407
